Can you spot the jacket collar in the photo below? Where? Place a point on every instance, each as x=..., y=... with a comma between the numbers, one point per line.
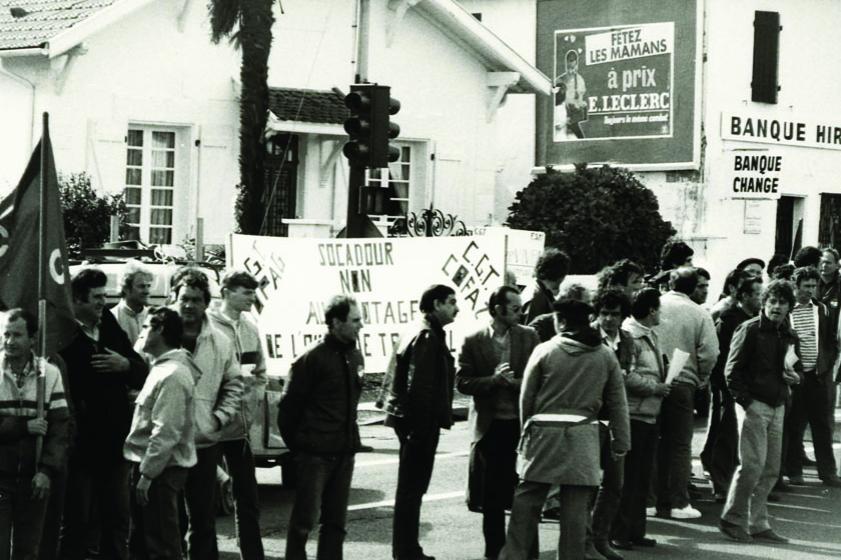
x=766, y=324
x=332, y=340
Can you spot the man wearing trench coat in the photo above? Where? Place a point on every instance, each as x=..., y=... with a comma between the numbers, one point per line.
x=491, y=365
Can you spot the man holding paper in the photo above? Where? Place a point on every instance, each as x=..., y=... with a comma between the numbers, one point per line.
x=687, y=337
x=762, y=364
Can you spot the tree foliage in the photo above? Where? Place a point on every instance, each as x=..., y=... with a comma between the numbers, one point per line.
x=597, y=215
x=87, y=215
x=248, y=24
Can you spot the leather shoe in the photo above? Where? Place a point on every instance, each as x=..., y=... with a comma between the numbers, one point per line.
x=771, y=536
x=797, y=479
x=734, y=532
x=773, y=497
x=604, y=548
x=832, y=481
x=782, y=486
x=644, y=541
x=622, y=544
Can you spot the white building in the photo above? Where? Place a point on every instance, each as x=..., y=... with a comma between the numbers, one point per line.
x=700, y=202
x=143, y=102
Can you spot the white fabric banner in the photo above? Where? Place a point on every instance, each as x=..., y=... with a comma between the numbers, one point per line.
x=386, y=276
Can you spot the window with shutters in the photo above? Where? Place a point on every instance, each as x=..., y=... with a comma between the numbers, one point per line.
x=150, y=183
x=766, y=47
x=395, y=194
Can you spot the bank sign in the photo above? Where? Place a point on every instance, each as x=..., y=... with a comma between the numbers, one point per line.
x=754, y=174
x=787, y=131
x=624, y=82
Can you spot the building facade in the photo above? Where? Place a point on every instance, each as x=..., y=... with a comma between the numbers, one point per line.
x=142, y=101
x=725, y=226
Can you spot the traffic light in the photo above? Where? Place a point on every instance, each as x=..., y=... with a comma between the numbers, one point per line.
x=369, y=126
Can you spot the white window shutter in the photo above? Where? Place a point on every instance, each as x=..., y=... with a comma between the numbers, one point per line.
x=106, y=155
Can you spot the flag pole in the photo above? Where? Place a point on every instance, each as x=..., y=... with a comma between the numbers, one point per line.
x=42, y=281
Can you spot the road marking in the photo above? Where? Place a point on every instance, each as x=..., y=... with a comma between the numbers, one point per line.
x=804, y=508
x=395, y=460
x=390, y=503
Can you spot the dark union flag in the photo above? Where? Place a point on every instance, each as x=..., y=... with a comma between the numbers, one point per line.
x=19, y=250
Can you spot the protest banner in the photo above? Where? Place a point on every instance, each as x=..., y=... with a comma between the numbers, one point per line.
x=523, y=249
x=386, y=276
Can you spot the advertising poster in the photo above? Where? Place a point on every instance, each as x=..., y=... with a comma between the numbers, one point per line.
x=624, y=77
x=386, y=276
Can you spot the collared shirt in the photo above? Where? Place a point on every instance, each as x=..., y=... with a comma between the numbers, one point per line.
x=130, y=321
x=502, y=343
x=612, y=343
x=90, y=332
x=804, y=320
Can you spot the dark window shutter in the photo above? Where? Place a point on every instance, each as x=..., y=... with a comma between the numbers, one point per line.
x=766, y=50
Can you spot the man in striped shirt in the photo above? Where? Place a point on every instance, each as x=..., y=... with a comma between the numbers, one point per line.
x=810, y=400
x=24, y=475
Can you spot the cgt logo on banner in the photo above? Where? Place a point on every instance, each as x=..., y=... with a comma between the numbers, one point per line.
x=386, y=276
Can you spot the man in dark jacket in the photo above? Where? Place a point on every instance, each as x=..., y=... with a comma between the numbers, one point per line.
x=762, y=363
x=102, y=368
x=420, y=403
x=490, y=368
x=549, y=272
x=721, y=454
x=317, y=420
x=612, y=307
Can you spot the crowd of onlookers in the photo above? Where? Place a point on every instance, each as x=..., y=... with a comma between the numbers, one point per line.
x=114, y=452
x=583, y=409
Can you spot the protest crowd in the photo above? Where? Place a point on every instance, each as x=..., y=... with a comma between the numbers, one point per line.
x=583, y=407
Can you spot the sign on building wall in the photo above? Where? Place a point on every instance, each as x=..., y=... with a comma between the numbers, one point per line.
x=754, y=174
x=625, y=77
x=386, y=276
x=788, y=131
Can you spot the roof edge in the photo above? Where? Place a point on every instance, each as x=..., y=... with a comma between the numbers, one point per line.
x=77, y=33
x=458, y=21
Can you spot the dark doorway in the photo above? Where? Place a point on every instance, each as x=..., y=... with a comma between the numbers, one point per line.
x=789, y=235
x=829, y=228
x=281, y=183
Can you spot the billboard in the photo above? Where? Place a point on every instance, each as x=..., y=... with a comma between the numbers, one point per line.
x=625, y=83
x=386, y=277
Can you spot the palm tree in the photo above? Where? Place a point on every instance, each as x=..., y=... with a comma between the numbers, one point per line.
x=248, y=24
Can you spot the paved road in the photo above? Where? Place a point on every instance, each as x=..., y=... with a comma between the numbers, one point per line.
x=811, y=514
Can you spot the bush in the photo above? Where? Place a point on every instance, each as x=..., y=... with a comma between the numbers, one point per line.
x=87, y=215
x=597, y=215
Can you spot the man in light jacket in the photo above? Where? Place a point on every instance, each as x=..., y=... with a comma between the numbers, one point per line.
x=217, y=403
x=686, y=326
x=232, y=318
x=161, y=444
x=645, y=386
x=568, y=380
x=490, y=368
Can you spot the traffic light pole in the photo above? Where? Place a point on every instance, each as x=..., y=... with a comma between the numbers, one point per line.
x=355, y=219
x=355, y=224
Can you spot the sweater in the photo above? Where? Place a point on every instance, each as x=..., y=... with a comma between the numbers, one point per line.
x=162, y=430
x=686, y=325
x=17, y=406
